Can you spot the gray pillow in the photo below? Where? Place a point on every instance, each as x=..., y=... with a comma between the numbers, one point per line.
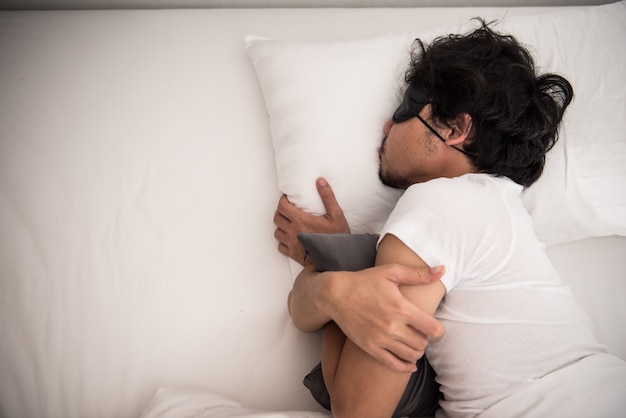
x=339, y=252
x=353, y=252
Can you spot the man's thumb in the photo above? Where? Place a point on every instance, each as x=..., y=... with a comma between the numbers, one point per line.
x=438, y=271
x=419, y=275
x=328, y=197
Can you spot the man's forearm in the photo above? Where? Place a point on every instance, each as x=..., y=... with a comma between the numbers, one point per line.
x=370, y=309
x=307, y=300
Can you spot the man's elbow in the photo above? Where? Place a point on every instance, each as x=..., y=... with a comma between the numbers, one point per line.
x=304, y=325
x=301, y=320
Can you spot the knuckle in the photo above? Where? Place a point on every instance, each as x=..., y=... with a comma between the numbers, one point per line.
x=402, y=309
x=420, y=272
x=390, y=328
x=334, y=210
x=281, y=204
x=412, y=355
x=328, y=195
x=369, y=346
x=429, y=327
x=394, y=269
x=420, y=346
x=387, y=328
x=284, y=206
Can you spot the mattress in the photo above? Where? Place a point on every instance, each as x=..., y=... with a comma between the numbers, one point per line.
x=137, y=190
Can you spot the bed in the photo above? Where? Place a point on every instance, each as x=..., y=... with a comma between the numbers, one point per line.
x=142, y=155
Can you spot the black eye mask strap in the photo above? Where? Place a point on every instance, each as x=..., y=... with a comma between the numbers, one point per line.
x=414, y=100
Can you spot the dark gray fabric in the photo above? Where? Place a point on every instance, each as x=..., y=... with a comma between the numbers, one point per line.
x=340, y=252
x=420, y=398
x=353, y=252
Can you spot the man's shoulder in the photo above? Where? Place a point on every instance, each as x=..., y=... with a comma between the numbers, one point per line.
x=466, y=184
x=473, y=196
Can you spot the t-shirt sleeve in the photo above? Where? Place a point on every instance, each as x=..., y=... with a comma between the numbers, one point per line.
x=453, y=222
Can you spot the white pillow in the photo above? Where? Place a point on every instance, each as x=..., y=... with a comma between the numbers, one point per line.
x=328, y=100
x=327, y=103
x=582, y=192
x=172, y=402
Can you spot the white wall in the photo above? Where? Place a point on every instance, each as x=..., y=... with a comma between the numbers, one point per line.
x=160, y=4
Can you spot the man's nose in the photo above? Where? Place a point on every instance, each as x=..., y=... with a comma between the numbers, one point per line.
x=387, y=127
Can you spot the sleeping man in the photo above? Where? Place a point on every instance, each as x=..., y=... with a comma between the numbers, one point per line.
x=471, y=132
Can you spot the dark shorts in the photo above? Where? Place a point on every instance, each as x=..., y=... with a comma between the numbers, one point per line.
x=420, y=398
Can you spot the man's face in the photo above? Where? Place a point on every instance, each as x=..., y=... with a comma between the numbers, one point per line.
x=410, y=153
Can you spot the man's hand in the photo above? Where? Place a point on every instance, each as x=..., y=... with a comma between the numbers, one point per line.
x=370, y=309
x=367, y=305
x=290, y=220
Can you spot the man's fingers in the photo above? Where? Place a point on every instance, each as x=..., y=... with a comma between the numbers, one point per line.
x=405, y=353
x=284, y=207
x=291, y=215
x=283, y=249
x=409, y=276
x=392, y=362
x=426, y=324
x=280, y=234
x=292, y=219
x=279, y=220
x=328, y=198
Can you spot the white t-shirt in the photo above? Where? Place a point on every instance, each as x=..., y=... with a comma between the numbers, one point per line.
x=509, y=318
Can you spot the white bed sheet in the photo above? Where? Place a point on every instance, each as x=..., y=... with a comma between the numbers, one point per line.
x=188, y=403
x=137, y=189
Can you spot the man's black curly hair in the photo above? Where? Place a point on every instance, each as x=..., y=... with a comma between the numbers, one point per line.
x=515, y=112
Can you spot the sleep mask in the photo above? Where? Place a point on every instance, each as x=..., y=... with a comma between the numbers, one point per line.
x=415, y=98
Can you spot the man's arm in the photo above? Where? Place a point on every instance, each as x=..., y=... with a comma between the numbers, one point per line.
x=370, y=309
x=367, y=305
x=360, y=385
